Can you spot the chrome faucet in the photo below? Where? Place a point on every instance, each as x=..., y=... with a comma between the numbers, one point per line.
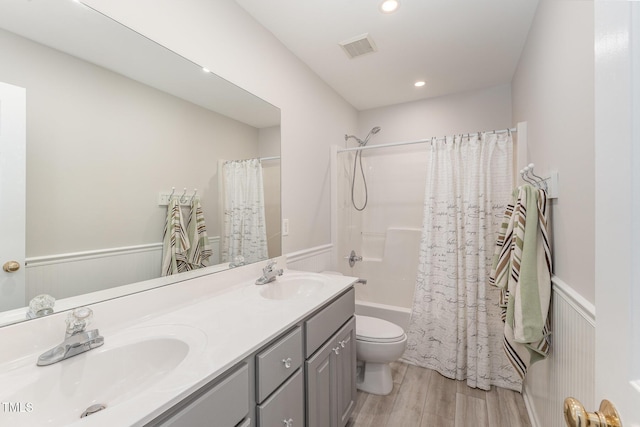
x=76, y=340
x=353, y=258
x=269, y=274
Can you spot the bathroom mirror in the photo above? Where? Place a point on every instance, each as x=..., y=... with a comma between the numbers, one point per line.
x=114, y=122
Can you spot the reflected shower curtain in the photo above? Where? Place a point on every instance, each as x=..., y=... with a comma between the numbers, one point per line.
x=245, y=231
x=455, y=325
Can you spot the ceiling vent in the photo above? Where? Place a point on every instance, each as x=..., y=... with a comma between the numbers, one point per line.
x=358, y=46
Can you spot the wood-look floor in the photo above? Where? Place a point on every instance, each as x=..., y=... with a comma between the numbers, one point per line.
x=424, y=398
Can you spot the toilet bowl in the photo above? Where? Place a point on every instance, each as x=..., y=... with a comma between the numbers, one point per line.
x=378, y=343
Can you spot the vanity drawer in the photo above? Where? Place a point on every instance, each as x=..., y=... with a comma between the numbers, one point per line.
x=286, y=406
x=324, y=324
x=277, y=363
x=224, y=403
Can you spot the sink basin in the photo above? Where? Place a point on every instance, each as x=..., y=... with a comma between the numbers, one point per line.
x=126, y=365
x=291, y=287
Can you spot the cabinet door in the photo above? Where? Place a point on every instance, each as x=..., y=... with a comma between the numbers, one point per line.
x=346, y=393
x=320, y=387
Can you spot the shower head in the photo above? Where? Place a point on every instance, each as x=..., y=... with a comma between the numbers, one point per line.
x=361, y=142
x=371, y=133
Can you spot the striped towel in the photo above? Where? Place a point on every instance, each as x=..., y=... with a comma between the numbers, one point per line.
x=522, y=270
x=200, y=251
x=175, y=243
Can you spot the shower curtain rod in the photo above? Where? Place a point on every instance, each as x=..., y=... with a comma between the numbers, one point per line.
x=420, y=141
x=269, y=158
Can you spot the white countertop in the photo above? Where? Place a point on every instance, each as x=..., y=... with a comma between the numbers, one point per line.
x=222, y=317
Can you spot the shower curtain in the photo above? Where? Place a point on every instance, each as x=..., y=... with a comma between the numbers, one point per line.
x=455, y=325
x=245, y=231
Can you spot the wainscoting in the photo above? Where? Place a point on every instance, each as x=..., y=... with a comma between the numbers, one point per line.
x=77, y=273
x=570, y=369
x=315, y=259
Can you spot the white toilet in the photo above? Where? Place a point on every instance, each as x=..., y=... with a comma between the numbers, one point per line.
x=378, y=343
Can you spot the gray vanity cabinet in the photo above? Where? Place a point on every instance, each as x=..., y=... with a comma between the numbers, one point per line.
x=280, y=382
x=345, y=357
x=277, y=363
x=222, y=403
x=285, y=407
x=331, y=380
x=305, y=377
x=331, y=363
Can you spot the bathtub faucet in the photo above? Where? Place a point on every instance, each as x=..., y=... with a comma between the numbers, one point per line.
x=361, y=280
x=353, y=258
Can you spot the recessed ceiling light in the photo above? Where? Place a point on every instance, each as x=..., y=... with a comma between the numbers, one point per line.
x=389, y=6
x=206, y=70
x=419, y=83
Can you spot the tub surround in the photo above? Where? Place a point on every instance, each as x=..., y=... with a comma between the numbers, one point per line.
x=222, y=317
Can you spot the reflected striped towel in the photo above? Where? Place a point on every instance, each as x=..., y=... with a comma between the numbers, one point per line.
x=175, y=243
x=522, y=270
x=200, y=251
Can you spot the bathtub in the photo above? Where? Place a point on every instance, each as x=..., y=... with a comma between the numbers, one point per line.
x=394, y=314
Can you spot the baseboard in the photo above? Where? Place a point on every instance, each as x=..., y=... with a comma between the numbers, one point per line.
x=528, y=403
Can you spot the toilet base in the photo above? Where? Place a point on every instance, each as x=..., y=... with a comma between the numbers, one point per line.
x=376, y=379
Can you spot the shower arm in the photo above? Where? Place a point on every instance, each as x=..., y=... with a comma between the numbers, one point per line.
x=346, y=138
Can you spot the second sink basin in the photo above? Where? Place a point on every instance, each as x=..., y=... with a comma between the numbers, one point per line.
x=125, y=366
x=291, y=287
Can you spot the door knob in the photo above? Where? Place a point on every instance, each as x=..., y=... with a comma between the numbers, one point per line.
x=11, y=266
x=576, y=416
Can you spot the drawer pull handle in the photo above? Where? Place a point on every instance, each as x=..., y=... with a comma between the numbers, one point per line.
x=288, y=423
x=336, y=350
x=287, y=362
x=344, y=342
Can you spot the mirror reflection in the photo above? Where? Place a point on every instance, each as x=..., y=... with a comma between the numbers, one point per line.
x=115, y=125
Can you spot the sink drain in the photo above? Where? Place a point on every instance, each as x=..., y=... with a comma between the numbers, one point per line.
x=93, y=409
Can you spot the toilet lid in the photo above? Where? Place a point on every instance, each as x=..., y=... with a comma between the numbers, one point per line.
x=377, y=330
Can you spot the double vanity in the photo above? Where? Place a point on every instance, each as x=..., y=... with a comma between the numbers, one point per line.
x=216, y=350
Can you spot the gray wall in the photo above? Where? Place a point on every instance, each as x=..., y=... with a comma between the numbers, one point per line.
x=100, y=147
x=553, y=90
x=221, y=36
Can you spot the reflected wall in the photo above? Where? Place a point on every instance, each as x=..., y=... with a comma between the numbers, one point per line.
x=100, y=149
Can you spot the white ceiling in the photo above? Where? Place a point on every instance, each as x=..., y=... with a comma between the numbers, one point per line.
x=454, y=45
